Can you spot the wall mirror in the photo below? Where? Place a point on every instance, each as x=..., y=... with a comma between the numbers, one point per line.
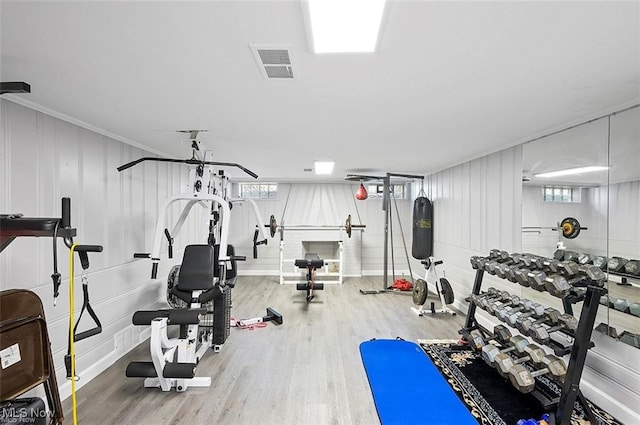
x=603, y=199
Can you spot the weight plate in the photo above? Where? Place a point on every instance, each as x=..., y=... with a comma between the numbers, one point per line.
x=570, y=228
x=446, y=290
x=347, y=225
x=172, y=281
x=420, y=292
x=273, y=225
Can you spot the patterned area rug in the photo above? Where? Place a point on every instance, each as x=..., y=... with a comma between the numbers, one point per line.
x=490, y=397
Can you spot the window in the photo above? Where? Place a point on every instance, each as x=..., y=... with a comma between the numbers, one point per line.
x=561, y=194
x=397, y=191
x=258, y=190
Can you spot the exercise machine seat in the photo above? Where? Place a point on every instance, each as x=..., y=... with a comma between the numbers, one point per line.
x=310, y=261
x=197, y=269
x=182, y=316
x=197, y=274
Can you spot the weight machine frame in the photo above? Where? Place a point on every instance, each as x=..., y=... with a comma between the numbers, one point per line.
x=386, y=206
x=206, y=188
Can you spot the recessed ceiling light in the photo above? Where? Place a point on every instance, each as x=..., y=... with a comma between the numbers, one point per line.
x=323, y=167
x=570, y=171
x=345, y=26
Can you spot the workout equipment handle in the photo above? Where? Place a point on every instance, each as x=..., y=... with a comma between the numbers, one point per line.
x=187, y=161
x=66, y=212
x=88, y=248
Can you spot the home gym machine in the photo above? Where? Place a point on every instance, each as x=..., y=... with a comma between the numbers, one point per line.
x=442, y=286
x=206, y=188
x=200, y=287
x=174, y=360
x=566, y=280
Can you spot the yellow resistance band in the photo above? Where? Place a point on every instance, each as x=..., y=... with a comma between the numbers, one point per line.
x=72, y=352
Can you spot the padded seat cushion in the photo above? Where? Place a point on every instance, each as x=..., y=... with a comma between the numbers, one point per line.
x=197, y=269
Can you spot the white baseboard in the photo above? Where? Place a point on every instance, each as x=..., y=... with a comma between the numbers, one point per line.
x=88, y=374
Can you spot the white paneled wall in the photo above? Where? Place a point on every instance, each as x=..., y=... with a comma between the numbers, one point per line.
x=624, y=221
x=476, y=207
x=323, y=204
x=43, y=159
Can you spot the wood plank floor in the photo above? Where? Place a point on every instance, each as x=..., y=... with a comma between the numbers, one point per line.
x=306, y=371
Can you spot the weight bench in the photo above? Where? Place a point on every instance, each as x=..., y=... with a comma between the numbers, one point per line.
x=311, y=262
x=197, y=285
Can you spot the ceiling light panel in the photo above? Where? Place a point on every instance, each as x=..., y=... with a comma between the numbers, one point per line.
x=571, y=171
x=323, y=167
x=345, y=26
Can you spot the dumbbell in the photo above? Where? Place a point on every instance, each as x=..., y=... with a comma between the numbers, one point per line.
x=490, y=266
x=515, y=272
x=503, y=269
x=501, y=256
x=541, y=334
x=504, y=311
x=593, y=273
x=528, y=260
x=521, y=276
x=585, y=258
x=493, y=307
x=482, y=300
x=600, y=262
x=504, y=362
x=524, y=380
x=539, y=262
x=544, y=263
x=620, y=304
x=570, y=256
x=536, y=280
x=477, y=262
x=568, y=268
x=616, y=264
x=500, y=334
x=632, y=267
x=557, y=285
x=517, y=343
x=550, y=314
x=494, y=253
x=509, y=273
x=533, y=309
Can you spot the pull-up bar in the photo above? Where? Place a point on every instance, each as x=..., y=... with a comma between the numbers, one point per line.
x=192, y=161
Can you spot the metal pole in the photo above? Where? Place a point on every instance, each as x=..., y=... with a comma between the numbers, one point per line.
x=385, y=197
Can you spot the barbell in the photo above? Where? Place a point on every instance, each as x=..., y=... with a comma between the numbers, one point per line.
x=347, y=226
x=570, y=228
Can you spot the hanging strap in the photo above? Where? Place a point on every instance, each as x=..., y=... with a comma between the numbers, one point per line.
x=56, y=277
x=86, y=306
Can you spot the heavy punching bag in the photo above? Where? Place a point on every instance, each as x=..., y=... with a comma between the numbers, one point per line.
x=422, y=246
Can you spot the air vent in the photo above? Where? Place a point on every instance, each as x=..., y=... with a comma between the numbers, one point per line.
x=274, y=62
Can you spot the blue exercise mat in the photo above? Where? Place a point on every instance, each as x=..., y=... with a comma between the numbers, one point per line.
x=407, y=387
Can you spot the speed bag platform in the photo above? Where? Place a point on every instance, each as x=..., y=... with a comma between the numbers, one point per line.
x=422, y=244
x=408, y=388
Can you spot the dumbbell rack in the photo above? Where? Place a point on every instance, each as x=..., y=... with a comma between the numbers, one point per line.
x=578, y=351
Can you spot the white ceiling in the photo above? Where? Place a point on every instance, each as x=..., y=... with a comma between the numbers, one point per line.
x=451, y=81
